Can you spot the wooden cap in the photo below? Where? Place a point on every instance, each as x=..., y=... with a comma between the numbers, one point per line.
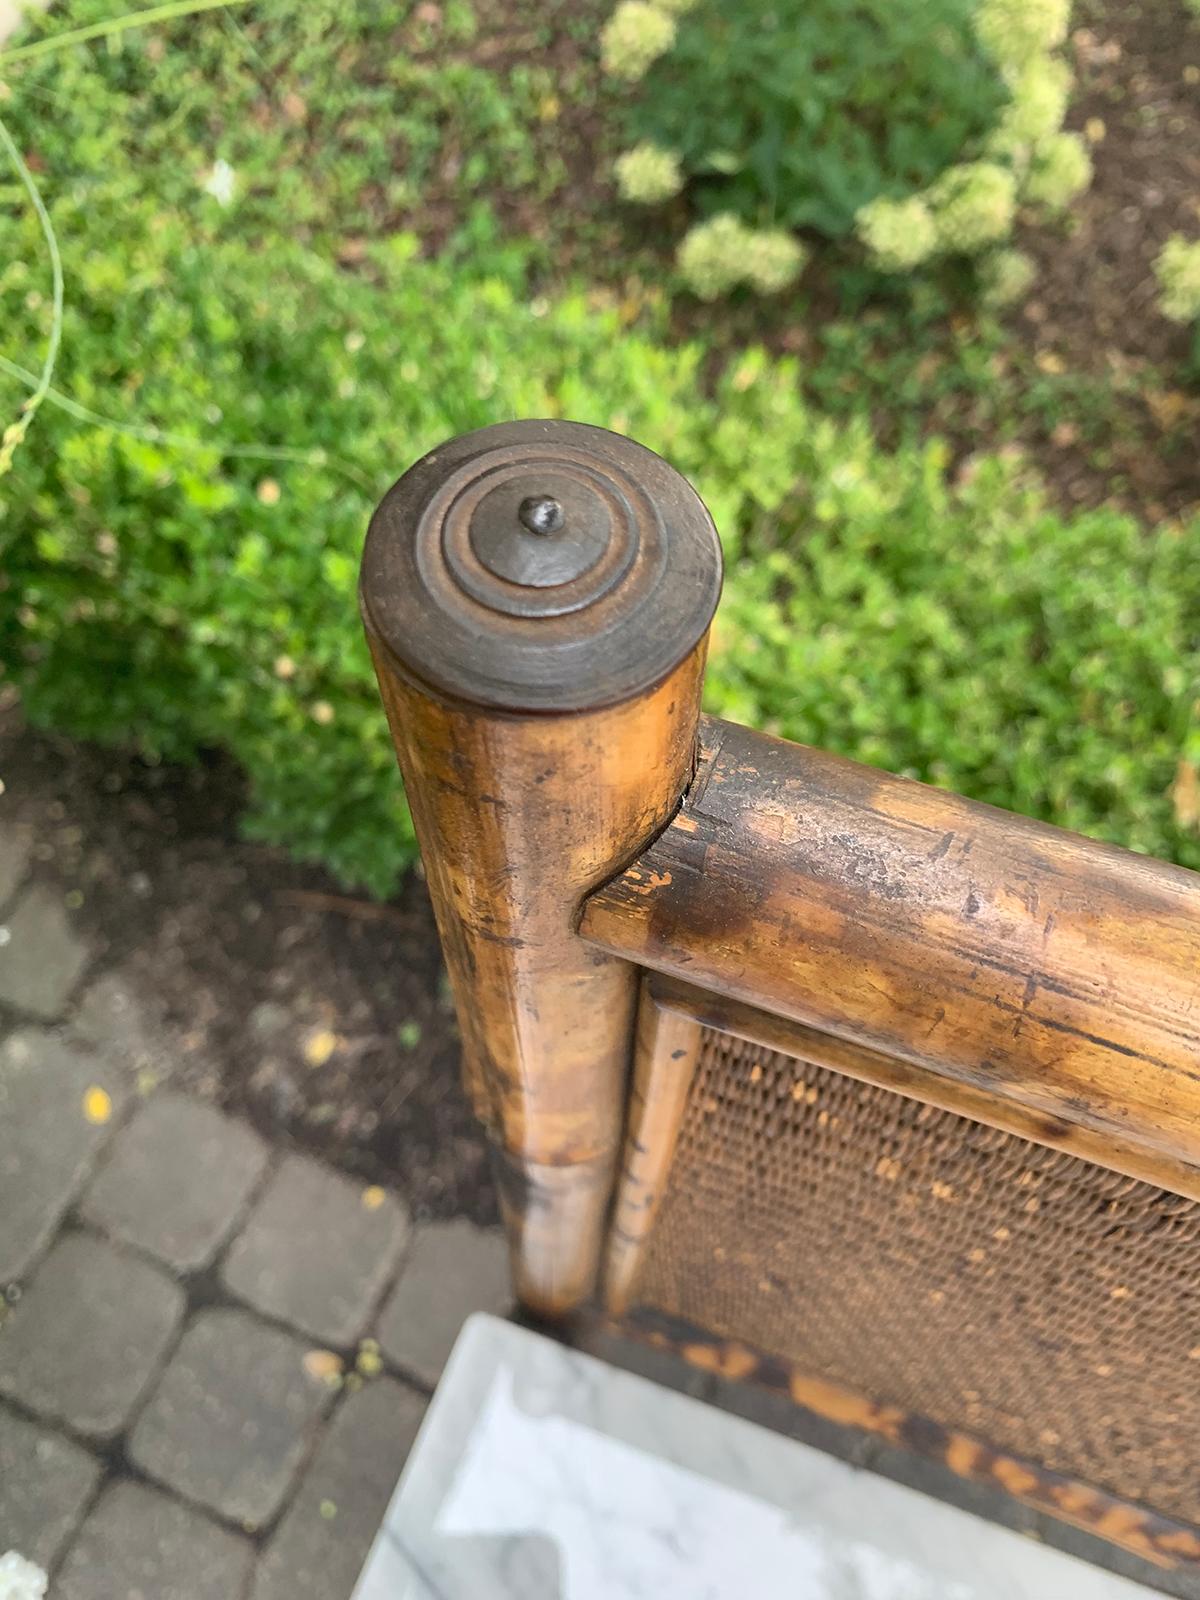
x=540, y=566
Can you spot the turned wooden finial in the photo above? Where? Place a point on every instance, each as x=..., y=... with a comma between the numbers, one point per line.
x=540, y=566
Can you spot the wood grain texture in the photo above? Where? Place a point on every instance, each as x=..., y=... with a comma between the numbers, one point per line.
x=664, y=1061
x=517, y=818
x=537, y=597
x=1029, y=964
x=1161, y=1541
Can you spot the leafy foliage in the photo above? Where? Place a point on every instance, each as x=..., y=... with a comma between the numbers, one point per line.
x=190, y=596
x=797, y=114
x=335, y=118
x=183, y=573
x=968, y=635
x=919, y=126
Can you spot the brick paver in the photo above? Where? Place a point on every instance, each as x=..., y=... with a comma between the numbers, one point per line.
x=453, y=1269
x=230, y=1422
x=317, y=1251
x=16, y=851
x=47, y=1142
x=109, y=1013
x=42, y=955
x=176, y=1180
x=140, y=1545
x=45, y=1482
x=212, y=1425
x=88, y=1335
x=322, y=1542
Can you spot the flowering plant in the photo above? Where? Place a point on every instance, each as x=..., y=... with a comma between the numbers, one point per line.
x=776, y=115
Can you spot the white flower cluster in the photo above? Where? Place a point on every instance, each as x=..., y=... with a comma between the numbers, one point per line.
x=1015, y=32
x=899, y=234
x=20, y=1579
x=1036, y=110
x=773, y=259
x=634, y=37
x=717, y=255
x=1061, y=169
x=1178, y=271
x=1004, y=276
x=973, y=204
x=648, y=173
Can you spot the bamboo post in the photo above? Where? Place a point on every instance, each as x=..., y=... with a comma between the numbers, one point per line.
x=537, y=598
x=665, y=1057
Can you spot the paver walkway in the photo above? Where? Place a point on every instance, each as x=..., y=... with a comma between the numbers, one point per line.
x=214, y=1355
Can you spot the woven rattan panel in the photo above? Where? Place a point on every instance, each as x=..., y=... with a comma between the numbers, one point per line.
x=1046, y=1305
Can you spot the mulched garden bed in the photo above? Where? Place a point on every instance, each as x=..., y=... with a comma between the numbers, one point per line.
x=1092, y=313
x=1094, y=308
x=323, y=1017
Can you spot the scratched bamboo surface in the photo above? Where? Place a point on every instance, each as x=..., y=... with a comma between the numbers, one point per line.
x=665, y=1054
x=517, y=818
x=537, y=597
x=1033, y=965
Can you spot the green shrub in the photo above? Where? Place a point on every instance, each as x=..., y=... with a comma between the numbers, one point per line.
x=918, y=125
x=797, y=114
x=968, y=636
x=196, y=587
x=191, y=597
x=334, y=117
x=186, y=597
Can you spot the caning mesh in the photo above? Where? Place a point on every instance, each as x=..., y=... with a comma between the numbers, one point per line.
x=1046, y=1305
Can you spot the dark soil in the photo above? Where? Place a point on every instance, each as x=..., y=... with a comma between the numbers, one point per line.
x=249, y=966
x=1138, y=69
x=1094, y=306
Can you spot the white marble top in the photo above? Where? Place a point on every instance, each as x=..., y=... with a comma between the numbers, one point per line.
x=543, y=1474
